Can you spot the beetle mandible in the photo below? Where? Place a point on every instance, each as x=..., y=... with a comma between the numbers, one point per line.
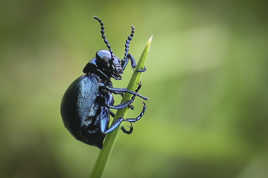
x=86, y=104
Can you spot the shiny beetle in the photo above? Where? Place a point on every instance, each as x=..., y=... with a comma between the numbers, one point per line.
x=87, y=103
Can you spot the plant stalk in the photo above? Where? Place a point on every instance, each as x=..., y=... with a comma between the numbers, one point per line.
x=110, y=139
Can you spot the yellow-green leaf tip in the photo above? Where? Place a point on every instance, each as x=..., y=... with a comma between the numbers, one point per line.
x=150, y=40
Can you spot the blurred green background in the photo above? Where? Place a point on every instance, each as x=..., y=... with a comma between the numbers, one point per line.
x=207, y=81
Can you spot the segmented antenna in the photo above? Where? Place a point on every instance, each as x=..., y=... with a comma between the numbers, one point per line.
x=128, y=41
x=103, y=36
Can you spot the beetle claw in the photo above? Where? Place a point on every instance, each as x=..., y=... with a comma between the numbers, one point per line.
x=131, y=107
x=127, y=131
x=139, y=87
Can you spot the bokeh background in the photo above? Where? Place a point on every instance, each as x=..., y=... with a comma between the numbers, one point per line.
x=207, y=81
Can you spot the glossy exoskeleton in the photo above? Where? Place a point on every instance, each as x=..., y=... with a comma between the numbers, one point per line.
x=87, y=103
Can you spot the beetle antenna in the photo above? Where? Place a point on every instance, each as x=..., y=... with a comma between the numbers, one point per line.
x=128, y=41
x=104, y=37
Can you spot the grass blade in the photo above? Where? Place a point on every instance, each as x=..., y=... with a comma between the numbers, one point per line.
x=111, y=138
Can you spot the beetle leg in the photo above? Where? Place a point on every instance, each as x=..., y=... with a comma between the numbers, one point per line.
x=131, y=107
x=123, y=105
x=131, y=120
x=142, y=70
x=139, y=116
x=132, y=60
x=113, y=126
x=124, y=90
x=133, y=63
x=128, y=131
x=112, y=114
x=109, y=102
x=104, y=121
x=126, y=104
x=124, y=63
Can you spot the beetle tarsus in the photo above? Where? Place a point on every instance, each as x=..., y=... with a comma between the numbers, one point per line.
x=142, y=70
x=127, y=131
x=139, y=116
x=131, y=107
x=132, y=120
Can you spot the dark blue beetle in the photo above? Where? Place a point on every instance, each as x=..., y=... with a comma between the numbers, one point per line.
x=86, y=104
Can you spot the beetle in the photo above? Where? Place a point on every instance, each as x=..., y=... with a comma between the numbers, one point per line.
x=87, y=103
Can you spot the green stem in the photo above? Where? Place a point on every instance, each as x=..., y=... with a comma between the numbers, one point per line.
x=111, y=138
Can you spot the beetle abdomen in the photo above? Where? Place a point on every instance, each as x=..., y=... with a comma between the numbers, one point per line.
x=87, y=94
x=78, y=107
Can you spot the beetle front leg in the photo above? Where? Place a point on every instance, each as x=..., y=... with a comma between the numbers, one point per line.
x=132, y=60
x=133, y=63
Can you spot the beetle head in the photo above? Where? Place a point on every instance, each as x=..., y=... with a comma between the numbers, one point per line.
x=106, y=61
x=109, y=65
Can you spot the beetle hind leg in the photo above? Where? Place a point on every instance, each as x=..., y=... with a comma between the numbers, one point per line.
x=128, y=131
x=131, y=120
x=104, y=121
